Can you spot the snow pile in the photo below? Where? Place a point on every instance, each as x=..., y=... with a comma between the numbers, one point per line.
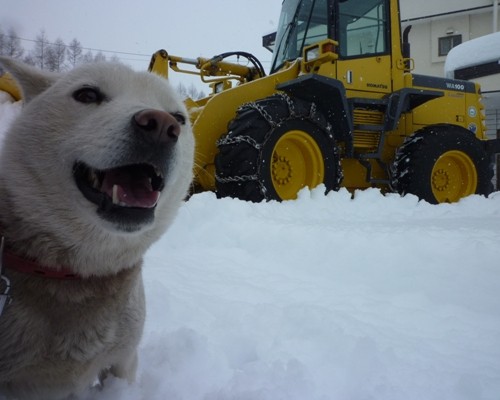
x=478, y=51
x=327, y=297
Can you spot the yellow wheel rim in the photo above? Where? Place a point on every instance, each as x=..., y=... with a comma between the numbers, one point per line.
x=454, y=176
x=297, y=162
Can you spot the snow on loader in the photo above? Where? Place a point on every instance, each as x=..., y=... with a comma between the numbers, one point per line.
x=340, y=108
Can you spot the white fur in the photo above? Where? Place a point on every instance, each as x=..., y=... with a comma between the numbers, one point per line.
x=57, y=336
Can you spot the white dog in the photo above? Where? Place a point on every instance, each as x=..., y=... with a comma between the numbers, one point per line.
x=91, y=174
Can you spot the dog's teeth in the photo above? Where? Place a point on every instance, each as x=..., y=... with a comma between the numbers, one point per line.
x=158, y=172
x=94, y=179
x=115, y=194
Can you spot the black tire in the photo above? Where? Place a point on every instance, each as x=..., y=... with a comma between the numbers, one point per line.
x=442, y=163
x=273, y=148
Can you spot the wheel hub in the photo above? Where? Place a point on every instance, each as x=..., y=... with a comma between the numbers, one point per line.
x=454, y=176
x=297, y=162
x=282, y=170
x=440, y=180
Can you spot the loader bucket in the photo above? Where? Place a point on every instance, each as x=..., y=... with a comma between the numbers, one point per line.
x=8, y=84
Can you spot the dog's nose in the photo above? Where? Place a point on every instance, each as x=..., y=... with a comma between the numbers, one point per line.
x=158, y=126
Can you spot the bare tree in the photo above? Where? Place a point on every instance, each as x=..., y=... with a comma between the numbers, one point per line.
x=12, y=45
x=191, y=92
x=29, y=60
x=99, y=57
x=115, y=59
x=88, y=57
x=182, y=90
x=194, y=93
x=56, y=54
x=39, y=53
x=74, y=52
x=2, y=42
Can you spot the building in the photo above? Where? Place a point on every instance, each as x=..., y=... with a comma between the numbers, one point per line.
x=438, y=26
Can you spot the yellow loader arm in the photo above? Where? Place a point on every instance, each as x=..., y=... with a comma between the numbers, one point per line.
x=211, y=70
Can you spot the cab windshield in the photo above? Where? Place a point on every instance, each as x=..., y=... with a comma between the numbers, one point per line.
x=301, y=23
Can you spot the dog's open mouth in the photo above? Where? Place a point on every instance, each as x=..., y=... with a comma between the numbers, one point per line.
x=136, y=186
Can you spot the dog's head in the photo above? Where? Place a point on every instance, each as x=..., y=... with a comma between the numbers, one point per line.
x=101, y=145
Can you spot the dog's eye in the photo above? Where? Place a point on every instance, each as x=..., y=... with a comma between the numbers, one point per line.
x=88, y=95
x=181, y=119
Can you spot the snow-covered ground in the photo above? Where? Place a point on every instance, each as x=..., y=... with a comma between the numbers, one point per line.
x=326, y=297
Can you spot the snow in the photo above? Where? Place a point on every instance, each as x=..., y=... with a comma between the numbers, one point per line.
x=364, y=297
x=473, y=52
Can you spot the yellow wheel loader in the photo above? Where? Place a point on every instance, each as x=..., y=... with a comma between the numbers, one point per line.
x=340, y=107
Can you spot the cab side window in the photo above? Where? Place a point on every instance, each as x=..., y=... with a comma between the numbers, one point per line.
x=363, y=27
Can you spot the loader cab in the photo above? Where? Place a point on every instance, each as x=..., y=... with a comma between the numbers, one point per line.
x=302, y=23
x=364, y=32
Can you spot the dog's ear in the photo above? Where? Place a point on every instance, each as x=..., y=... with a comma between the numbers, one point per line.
x=31, y=81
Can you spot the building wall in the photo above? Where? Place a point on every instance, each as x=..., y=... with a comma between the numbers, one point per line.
x=412, y=9
x=431, y=20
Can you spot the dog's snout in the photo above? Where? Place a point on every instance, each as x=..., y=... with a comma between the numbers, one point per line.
x=158, y=126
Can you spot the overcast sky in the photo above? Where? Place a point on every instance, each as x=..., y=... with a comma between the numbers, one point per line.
x=188, y=28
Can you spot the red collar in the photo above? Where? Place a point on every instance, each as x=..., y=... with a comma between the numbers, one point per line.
x=19, y=264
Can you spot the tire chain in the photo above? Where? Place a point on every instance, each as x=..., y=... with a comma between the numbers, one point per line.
x=401, y=166
x=252, y=142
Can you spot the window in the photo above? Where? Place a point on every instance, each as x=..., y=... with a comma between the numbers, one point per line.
x=363, y=27
x=301, y=23
x=446, y=43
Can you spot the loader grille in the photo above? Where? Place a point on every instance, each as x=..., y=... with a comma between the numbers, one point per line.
x=368, y=117
x=366, y=140
x=368, y=126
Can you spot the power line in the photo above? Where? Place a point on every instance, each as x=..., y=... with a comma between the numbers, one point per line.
x=124, y=53
x=89, y=48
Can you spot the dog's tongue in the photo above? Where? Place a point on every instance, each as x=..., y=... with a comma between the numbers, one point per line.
x=129, y=189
